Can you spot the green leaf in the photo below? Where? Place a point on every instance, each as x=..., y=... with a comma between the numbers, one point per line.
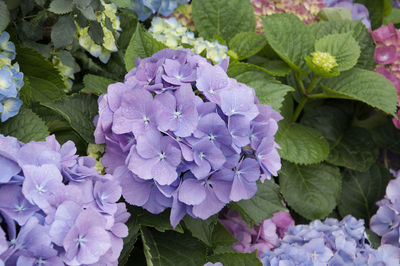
x=375, y=9
x=342, y=46
x=355, y=150
x=172, y=249
x=4, y=16
x=121, y=3
x=276, y=67
x=96, y=84
x=361, y=191
x=33, y=64
x=225, y=18
x=201, y=229
x=268, y=90
x=335, y=13
x=222, y=240
x=312, y=190
x=54, y=121
x=246, y=44
x=96, y=32
x=301, y=144
x=25, y=94
x=79, y=110
x=261, y=206
x=128, y=23
x=393, y=17
x=61, y=6
x=387, y=137
x=359, y=32
x=26, y=126
x=130, y=240
x=366, y=86
x=141, y=45
x=236, y=259
x=63, y=32
x=71, y=135
x=160, y=221
x=290, y=38
x=44, y=91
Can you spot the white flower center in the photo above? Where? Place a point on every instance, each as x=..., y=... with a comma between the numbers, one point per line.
x=40, y=189
x=177, y=114
x=80, y=241
x=202, y=155
x=19, y=208
x=162, y=155
x=146, y=119
x=211, y=137
x=40, y=261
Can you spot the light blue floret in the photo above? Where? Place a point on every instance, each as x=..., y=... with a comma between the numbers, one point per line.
x=11, y=107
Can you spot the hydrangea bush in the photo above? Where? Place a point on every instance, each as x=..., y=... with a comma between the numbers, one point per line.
x=291, y=107
x=200, y=142
x=56, y=208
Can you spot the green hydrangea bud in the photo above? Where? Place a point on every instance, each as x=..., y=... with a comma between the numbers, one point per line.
x=324, y=60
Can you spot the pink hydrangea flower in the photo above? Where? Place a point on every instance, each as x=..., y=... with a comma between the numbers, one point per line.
x=387, y=56
x=306, y=10
x=264, y=237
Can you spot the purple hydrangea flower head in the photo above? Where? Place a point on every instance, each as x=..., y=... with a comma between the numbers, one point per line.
x=263, y=237
x=55, y=208
x=386, y=221
x=178, y=134
x=145, y=8
x=330, y=242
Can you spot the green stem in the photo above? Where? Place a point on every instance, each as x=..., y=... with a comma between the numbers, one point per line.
x=300, y=82
x=303, y=101
x=319, y=95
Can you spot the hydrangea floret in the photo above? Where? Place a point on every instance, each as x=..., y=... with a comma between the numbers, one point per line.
x=66, y=70
x=330, y=242
x=183, y=135
x=263, y=237
x=306, y=10
x=175, y=36
x=55, y=208
x=103, y=51
x=387, y=56
x=324, y=60
x=386, y=222
x=145, y=8
x=11, y=79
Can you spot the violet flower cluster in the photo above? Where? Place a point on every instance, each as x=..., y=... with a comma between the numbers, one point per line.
x=387, y=56
x=145, y=8
x=55, y=209
x=263, y=237
x=331, y=242
x=181, y=134
x=386, y=222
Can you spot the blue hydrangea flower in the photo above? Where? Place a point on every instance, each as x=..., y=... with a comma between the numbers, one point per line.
x=145, y=8
x=331, y=242
x=11, y=80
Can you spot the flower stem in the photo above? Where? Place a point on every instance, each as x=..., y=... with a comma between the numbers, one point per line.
x=303, y=101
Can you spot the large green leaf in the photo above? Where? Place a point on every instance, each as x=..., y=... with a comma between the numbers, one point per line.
x=355, y=149
x=376, y=10
x=301, y=144
x=387, y=137
x=79, y=110
x=276, y=67
x=261, y=206
x=222, y=240
x=201, y=229
x=236, y=259
x=172, y=249
x=359, y=32
x=246, y=44
x=361, y=191
x=4, y=16
x=54, y=121
x=225, y=18
x=342, y=46
x=290, y=38
x=158, y=221
x=141, y=45
x=130, y=240
x=61, y=6
x=268, y=90
x=36, y=67
x=312, y=190
x=26, y=126
x=367, y=86
x=96, y=84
